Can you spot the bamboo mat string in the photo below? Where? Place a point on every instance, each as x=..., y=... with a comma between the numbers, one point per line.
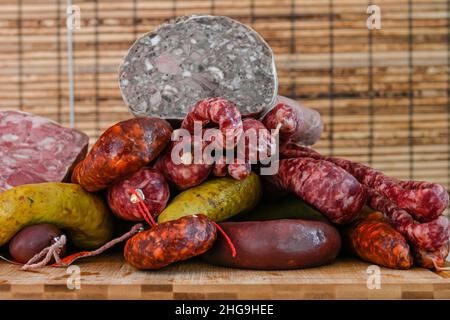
x=292, y=51
x=20, y=53
x=370, y=95
x=70, y=72
x=58, y=61
x=410, y=92
x=97, y=69
x=331, y=80
x=448, y=93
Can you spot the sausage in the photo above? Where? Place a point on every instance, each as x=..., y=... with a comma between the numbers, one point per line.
x=31, y=240
x=183, y=175
x=190, y=58
x=431, y=259
x=221, y=112
x=298, y=124
x=122, y=150
x=34, y=149
x=152, y=186
x=374, y=240
x=428, y=236
x=425, y=201
x=276, y=244
x=327, y=187
x=170, y=242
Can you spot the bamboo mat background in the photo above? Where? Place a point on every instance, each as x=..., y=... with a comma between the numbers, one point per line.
x=383, y=94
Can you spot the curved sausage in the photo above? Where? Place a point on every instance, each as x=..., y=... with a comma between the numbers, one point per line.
x=122, y=150
x=298, y=124
x=170, y=241
x=425, y=201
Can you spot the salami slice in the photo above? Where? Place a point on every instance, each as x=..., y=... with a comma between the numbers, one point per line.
x=34, y=149
x=195, y=57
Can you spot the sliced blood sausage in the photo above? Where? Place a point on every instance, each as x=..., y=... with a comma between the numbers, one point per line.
x=122, y=150
x=34, y=149
x=168, y=70
x=170, y=241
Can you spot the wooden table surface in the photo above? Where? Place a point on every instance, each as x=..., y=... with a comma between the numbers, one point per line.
x=109, y=277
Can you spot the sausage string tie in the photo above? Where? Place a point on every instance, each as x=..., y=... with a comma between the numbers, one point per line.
x=55, y=249
x=42, y=258
x=227, y=238
x=138, y=197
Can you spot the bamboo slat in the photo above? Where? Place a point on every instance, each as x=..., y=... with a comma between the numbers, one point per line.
x=383, y=94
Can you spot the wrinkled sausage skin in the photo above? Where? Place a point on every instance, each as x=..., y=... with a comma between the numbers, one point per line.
x=373, y=239
x=327, y=187
x=170, y=241
x=122, y=150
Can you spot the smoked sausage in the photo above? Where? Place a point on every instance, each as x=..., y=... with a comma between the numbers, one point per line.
x=122, y=150
x=170, y=241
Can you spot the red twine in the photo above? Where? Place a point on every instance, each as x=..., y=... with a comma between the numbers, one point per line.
x=143, y=210
x=227, y=238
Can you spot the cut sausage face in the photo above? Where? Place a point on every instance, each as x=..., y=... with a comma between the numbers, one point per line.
x=168, y=70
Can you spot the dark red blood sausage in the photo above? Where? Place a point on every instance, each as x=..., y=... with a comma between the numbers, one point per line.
x=122, y=150
x=297, y=124
x=170, y=242
x=31, y=240
x=276, y=244
x=425, y=201
x=330, y=189
x=219, y=111
x=147, y=182
x=34, y=149
x=182, y=175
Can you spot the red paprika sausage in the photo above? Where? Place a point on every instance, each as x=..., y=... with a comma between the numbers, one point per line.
x=170, y=242
x=153, y=188
x=374, y=240
x=122, y=150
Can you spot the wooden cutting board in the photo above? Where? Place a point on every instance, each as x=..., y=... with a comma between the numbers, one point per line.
x=109, y=277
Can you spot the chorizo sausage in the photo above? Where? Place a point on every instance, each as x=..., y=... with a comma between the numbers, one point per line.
x=182, y=175
x=122, y=150
x=153, y=186
x=219, y=111
x=425, y=201
x=373, y=239
x=325, y=186
x=170, y=241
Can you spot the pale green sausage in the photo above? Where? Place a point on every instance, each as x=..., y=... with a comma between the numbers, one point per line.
x=218, y=199
x=82, y=215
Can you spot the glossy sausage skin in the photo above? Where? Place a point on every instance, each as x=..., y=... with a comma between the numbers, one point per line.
x=153, y=186
x=170, y=242
x=327, y=187
x=122, y=150
x=373, y=239
x=276, y=244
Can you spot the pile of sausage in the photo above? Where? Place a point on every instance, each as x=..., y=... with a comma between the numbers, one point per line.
x=136, y=154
